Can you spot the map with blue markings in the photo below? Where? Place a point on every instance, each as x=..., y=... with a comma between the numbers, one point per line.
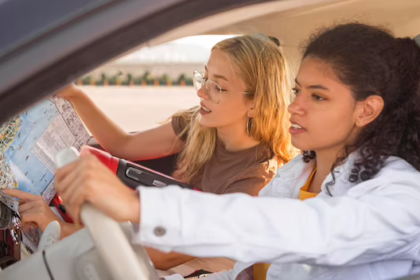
x=29, y=142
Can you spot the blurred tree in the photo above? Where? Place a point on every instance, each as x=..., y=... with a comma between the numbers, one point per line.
x=104, y=78
x=189, y=82
x=128, y=79
x=181, y=78
x=86, y=80
x=138, y=80
x=115, y=79
x=164, y=80
x=147, y=76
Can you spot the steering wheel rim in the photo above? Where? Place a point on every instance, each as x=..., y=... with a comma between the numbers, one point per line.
x=110, y=240
x=119, y=256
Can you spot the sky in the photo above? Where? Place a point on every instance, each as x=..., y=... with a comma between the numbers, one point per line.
x=188, y=49
x=206, y=41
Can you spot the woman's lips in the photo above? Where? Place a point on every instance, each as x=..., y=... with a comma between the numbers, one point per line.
x=204, y=110
x=296, y=128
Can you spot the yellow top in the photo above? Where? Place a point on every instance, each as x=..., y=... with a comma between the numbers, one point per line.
x=304, y=194
x=260, y=269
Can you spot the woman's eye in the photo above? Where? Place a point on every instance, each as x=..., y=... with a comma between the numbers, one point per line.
x=220, y=89
x=317, y=97
x=296, y=91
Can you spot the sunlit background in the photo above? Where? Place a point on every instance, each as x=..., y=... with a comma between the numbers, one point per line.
x=143, y=89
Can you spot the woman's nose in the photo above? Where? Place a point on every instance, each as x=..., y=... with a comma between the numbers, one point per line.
x=202, y=93
x=297, y=106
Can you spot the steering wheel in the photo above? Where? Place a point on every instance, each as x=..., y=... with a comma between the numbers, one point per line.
x=111, y=242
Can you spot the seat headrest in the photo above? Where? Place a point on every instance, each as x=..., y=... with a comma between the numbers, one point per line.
x=417, y=40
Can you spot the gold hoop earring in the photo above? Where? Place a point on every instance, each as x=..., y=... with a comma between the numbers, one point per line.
x=249, y=126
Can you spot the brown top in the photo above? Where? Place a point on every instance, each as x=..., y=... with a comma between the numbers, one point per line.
x=246, y=171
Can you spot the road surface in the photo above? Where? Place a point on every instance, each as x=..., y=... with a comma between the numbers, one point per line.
x=141, y=108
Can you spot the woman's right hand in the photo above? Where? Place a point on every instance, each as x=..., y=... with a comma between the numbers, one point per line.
x=69, y=92
x=154, y=143
x=89, y=180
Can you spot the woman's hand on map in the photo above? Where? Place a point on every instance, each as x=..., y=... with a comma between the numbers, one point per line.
x=69, y=92
x=88, y=180
x=33, y=209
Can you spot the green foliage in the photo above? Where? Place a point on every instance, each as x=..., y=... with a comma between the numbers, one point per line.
x=126, y=79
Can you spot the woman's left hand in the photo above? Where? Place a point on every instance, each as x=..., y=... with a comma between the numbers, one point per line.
x=33, y=209
x=88, y=180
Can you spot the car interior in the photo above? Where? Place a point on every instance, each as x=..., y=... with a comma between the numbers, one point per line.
x=42, y=55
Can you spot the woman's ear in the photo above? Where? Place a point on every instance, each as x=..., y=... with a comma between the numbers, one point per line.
x=250, y=112
x=369, y=110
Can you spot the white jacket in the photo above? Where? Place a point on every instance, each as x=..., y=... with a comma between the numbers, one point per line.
x=365, y=230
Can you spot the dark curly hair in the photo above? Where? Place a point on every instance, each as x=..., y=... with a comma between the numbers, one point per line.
x=371, y=61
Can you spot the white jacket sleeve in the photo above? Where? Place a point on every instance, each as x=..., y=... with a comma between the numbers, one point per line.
x=362, y=226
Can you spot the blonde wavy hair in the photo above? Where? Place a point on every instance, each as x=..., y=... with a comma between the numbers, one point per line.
x=264, y=71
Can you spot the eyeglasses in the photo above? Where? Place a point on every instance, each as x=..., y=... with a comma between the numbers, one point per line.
x=212, y=89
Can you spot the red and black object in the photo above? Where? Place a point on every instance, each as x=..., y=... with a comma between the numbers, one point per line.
x=131, y=174
x=58, y=203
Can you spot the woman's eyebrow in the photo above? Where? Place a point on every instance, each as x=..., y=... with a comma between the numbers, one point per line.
x=313, y=86
x=217, y=76
x=319, y=87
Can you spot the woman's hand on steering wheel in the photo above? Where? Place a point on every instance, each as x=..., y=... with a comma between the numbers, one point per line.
x=88, y=180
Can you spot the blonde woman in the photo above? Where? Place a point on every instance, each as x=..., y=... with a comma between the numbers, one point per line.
x=233, y=142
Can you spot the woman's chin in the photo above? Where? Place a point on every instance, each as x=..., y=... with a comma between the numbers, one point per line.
x=301, y=145
x=206, y=122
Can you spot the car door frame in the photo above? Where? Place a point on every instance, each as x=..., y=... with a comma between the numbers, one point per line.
x=20, y=89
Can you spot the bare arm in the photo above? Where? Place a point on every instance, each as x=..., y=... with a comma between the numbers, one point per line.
x=165, y=261
x=154, y=143
x=68, y=229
